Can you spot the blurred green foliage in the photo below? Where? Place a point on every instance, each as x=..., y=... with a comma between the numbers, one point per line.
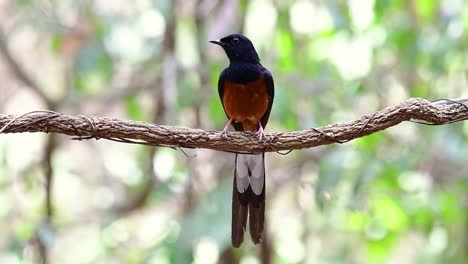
x=397, y=196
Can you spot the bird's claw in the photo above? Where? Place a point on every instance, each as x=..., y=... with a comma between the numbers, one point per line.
x=260, y=133
x=224, y=134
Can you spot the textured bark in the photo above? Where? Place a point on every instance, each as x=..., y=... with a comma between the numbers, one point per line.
x=87, y=127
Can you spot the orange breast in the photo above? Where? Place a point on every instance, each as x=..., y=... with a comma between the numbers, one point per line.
x=246, y=103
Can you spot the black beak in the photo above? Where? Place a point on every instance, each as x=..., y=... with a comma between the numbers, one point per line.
x=217, y=42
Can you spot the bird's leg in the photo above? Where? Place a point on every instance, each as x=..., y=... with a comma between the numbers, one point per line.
x=224, y=133
x=260, y=132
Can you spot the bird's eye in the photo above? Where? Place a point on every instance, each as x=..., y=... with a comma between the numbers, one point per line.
x=235, y=40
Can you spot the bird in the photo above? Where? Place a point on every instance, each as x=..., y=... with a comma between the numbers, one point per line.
x=246, y=90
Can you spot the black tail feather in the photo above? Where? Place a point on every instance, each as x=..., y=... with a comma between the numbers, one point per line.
x=243, y=204
x=257, y=217
x=239, y=216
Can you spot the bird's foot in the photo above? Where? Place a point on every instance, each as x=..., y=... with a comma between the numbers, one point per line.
x=225, y=133
x=260, y=133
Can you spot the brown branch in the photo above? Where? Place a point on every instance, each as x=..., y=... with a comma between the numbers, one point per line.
x=84, y=127
x=48, y=152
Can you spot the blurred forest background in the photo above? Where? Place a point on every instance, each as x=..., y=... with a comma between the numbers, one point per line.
x=398, y=196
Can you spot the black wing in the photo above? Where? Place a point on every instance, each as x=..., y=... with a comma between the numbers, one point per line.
x=222, y=78
x=271, y=92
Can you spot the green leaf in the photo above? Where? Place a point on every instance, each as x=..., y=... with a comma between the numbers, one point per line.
x=356, y=221
x=56, y=43
x=450, y=207
x=378, y=250
x=285, y=45
x=133, y=108
x=419, y=90
x=426, y=9
x=422, y=218
x=390, y=214
x=370, y=144
x=216, y=111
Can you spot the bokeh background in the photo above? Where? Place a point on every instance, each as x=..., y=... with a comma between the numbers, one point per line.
x=398, y=196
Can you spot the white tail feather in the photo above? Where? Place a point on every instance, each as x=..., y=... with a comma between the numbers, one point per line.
x=254, y=164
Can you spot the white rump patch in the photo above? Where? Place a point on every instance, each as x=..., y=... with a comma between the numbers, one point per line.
x=250, y=163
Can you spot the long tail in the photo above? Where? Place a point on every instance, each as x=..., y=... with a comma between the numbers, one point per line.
x=248, y=198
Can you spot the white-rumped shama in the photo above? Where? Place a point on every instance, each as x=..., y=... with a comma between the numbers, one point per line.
x=246, y=90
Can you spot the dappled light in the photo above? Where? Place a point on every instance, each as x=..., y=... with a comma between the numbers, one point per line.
x=374, y=176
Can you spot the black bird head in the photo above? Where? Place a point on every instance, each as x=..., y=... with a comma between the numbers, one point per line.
x=238, y=48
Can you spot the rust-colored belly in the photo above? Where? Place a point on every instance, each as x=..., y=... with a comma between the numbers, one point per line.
x=246, y=103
